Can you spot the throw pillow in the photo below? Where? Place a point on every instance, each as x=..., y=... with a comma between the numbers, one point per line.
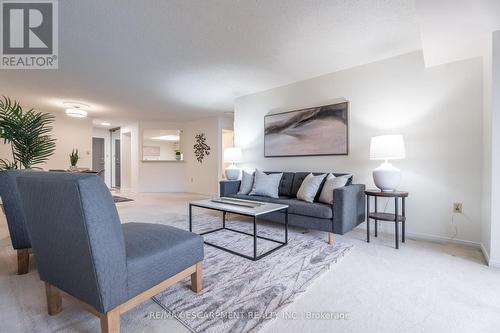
x=246, y=182
x=331, y=184
x=266, y=185
x=309, y=187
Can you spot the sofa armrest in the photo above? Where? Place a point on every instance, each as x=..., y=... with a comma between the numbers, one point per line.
x=348, y=207
x=229, y=187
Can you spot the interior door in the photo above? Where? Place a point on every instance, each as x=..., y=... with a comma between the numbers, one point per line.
x=98, y=163
x=117, y=163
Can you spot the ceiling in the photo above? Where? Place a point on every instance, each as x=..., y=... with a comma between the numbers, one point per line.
x=181, y=59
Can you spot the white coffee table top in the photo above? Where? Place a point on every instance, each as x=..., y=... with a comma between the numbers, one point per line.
x=239, y=206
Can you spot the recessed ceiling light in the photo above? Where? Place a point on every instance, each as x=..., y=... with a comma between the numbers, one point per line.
x=105, y=124
x=166, y=138
x=77, y=113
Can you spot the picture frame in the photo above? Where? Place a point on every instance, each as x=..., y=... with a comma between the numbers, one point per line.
x=315, y=131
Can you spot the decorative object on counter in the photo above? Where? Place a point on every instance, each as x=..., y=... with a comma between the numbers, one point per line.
x=321, y=130
x=387, y=147
x=201, y=149
x=28, y=134
x=232, y=155
x=73, y=158
x=178, y=155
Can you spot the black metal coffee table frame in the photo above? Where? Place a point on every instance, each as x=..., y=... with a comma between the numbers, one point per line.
x=255, y=257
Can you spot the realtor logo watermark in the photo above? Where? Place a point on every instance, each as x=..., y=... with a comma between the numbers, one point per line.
x=29, y=36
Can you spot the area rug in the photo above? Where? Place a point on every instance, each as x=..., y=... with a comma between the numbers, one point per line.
x=240, y=295
x=117, y=199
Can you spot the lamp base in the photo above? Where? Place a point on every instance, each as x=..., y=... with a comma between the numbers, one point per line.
x=232, y=172
x=387, y=177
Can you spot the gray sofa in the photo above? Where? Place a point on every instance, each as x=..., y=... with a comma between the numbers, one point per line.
x=347, y=211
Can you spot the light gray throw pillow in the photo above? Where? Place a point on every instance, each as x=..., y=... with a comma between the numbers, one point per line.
x=331, y=184
x=309, y=187
x=266, y=185
x=246, y=182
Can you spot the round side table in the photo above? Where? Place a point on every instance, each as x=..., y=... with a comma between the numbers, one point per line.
x=377, y=216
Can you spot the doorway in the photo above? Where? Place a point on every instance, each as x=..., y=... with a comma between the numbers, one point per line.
x=116, y=158
x=98, y=156
x=227, y=142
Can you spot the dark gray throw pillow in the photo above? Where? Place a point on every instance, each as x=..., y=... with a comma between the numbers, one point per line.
x=246, y=182
x=266, y=185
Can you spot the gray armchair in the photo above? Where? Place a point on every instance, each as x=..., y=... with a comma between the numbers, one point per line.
x=12, y=208
x=84, y=253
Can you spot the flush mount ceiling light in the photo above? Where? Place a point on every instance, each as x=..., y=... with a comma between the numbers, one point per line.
x=105, y=124
x=166, y=138
x=77, y=113
x=74, y=109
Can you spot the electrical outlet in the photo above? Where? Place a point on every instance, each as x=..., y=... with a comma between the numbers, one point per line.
x=457, y=207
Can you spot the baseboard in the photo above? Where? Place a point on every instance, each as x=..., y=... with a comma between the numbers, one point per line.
x=442, y=239
x=494, y=264
x=491, y=263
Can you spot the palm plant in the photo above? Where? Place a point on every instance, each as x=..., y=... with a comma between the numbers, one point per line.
x=28, y=134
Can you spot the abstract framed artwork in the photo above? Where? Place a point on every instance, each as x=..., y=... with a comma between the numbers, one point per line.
x=321, y=130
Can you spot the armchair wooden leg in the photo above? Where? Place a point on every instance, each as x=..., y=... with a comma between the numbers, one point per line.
x=23, y=261
x=54, y=300
x=110, y=321
x=330, y=238
x=197, y=278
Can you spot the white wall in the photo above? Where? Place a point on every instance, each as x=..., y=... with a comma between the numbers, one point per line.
x=487, y=127
x=69, y=133
x=495, y=153
x=104, y=134
x=438, y=110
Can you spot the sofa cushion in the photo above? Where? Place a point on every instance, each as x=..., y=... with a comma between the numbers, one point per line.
x=299, y=207
x=246, y=182
x=299, y=178
x=266, y=185
x=286, y=183
x=309, y=187
x=156, y=252
x=331, y=183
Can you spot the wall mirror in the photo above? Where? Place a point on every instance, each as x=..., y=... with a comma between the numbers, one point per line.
x=161, y=145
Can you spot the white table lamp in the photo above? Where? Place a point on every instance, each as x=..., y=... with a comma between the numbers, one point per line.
x=232, y=155
x=387, y=147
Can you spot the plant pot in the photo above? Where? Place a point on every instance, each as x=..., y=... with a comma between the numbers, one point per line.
x=73, y=168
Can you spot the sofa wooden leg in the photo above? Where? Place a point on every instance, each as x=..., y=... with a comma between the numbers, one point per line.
x=197, y=278
x=23, y=261
x=54, y=300
x=110, y=321
x=330, y=238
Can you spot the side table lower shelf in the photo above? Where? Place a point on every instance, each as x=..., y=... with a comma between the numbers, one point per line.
x=382, y=216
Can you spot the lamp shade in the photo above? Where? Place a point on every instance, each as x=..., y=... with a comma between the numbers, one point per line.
x=387, y=147
x=232, y=155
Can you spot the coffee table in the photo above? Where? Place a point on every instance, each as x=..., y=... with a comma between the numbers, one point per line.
x=249, y=208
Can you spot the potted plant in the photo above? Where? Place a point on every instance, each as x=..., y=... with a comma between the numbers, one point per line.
x=28, y=133
x=178, y=155
x=73, y=159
